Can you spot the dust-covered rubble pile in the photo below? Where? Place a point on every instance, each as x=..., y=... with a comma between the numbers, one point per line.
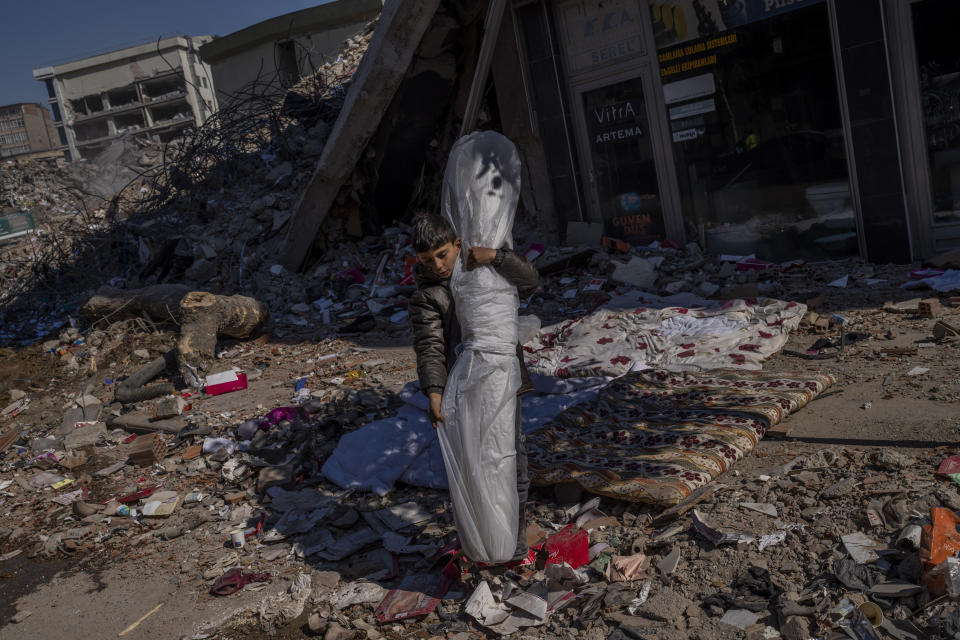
x=778, y=546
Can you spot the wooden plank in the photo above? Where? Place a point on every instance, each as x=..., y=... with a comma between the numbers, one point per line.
x=9, y=438
x=690, y=502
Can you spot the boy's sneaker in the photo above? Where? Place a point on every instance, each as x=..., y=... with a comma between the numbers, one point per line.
x=522, y=550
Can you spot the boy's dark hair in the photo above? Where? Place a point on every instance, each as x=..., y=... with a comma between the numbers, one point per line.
x=430, y=232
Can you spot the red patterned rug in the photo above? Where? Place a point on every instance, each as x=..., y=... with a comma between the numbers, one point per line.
x=655, y=436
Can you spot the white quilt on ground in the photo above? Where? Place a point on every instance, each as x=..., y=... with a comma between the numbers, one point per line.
x=738, y=334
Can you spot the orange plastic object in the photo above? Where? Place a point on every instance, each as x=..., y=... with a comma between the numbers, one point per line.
x=940, y=540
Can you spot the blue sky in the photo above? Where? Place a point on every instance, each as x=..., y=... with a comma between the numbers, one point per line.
x=40, y=33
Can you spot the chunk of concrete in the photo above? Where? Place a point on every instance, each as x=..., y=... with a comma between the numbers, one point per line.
x=85, y=436
x=639, y=272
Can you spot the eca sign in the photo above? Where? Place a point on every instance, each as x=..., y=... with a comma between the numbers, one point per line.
x=613, y=20
x=597, y=31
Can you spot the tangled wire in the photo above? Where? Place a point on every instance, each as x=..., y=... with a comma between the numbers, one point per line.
x=250, y=122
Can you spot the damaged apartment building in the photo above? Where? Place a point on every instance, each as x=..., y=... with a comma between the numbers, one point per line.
x=275, y=54
x=26, y=131
x=155, y=89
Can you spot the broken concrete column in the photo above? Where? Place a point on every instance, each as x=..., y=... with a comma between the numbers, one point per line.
x=398, y=33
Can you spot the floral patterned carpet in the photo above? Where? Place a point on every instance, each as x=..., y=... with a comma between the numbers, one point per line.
x=655, y=436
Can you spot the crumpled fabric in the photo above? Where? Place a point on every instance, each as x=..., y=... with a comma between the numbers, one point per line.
x=753, y=590
x=282, y=608
x=854, y=576
x=481, y=187
x=405, y=447
x=739, y=334
x=949, y=280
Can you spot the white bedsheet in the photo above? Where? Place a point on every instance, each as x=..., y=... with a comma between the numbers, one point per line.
x=405, y=447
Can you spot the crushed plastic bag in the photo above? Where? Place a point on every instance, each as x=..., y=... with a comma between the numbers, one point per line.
x=481, y=187
x=947, y=573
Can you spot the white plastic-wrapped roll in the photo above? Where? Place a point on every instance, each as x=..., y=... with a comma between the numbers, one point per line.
x=481, y=187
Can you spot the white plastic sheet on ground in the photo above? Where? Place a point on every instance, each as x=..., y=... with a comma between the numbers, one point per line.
x=948, y=281
x=405, y=447
x=481, y=186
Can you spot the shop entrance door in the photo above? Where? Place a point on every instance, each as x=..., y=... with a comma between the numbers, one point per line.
x=620, y=154
x=923, y=34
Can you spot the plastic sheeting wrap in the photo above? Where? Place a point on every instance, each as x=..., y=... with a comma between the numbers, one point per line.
x=481, y=187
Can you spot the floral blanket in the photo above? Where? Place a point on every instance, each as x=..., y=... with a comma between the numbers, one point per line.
x=655, y=436
x=741, y=334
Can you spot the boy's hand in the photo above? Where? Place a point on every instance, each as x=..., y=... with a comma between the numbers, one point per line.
x=480, y=257
x=436, y=413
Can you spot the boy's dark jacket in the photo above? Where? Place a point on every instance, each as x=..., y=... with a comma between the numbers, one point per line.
x=436, y=330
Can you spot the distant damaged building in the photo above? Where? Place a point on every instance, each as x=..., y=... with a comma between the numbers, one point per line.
x=278, y=52
x=155, y=89
x=26, y=130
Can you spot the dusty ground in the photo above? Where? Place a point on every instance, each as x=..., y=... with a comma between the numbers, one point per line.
x=873, y=405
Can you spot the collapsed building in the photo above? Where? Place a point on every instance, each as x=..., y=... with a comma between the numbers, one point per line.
x=287, y=48
x=154, y=89
x=660, y=124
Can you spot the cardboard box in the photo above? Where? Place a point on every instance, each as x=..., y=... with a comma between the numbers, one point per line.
x=225, y=382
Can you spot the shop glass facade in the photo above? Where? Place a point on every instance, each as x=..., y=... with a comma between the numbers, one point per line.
x=754, y=117
x=623, y=162
x=938, y=66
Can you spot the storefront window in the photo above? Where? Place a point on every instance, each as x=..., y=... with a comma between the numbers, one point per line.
x=624, y=174
x=939, y=68
x=753, y=110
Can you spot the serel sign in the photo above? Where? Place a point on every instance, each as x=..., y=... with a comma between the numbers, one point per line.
x=598, y=31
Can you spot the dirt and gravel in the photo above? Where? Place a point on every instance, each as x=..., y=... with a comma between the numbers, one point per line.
x=98, y=586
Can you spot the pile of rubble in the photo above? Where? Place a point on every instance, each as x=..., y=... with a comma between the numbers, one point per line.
x=220, y=204
x=51, y=194
x=206, y=209
x=364, y=287
x=78, y=210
